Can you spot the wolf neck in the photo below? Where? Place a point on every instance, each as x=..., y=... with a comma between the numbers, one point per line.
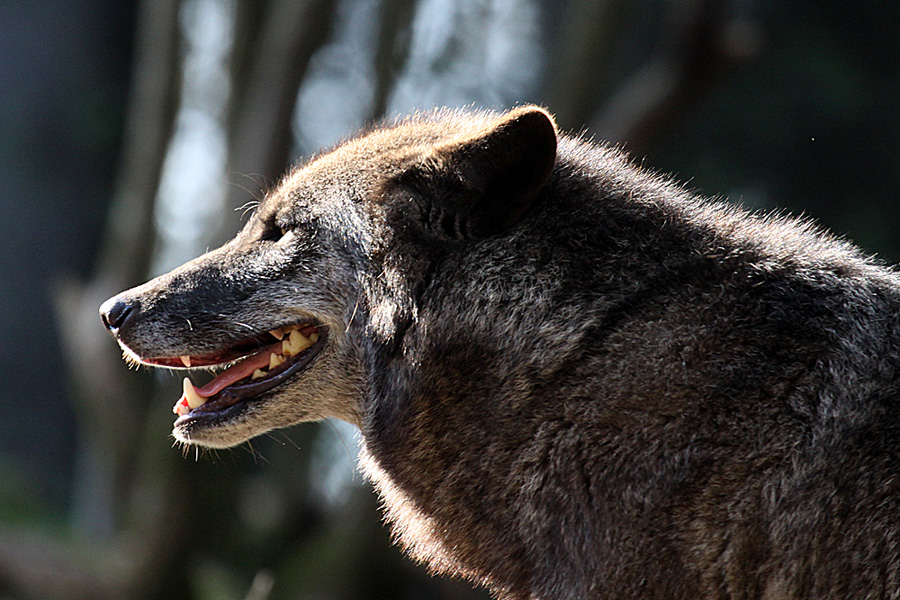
x=472, y=450
x=502, y=486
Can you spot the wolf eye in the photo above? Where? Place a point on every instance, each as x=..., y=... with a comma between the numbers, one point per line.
x=284, y=231
x=273, y=233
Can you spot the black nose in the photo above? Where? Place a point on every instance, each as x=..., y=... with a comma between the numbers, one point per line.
x=114, y=313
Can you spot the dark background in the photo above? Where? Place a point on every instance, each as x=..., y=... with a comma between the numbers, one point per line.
x=783, y=105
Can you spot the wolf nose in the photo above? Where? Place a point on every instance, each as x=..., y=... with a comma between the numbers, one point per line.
x=114, y=313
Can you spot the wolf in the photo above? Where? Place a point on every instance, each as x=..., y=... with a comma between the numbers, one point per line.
x=573, y=377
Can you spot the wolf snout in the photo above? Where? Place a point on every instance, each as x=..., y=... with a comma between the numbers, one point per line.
x=115, y=312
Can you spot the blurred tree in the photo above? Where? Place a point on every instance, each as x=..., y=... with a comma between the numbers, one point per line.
x=60, y=113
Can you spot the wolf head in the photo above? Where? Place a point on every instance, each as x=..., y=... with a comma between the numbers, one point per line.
x=328, y=267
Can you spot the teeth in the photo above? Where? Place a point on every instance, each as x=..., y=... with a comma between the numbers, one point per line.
x=190, y=394
x=275, y=360
x=296, y=344
x=181, y=407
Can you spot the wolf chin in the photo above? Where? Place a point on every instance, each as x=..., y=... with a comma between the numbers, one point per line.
x=573, y=378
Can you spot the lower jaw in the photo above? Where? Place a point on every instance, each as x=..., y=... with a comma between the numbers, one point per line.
x=217, y=430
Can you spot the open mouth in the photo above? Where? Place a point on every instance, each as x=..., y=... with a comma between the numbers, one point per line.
x=253, y=366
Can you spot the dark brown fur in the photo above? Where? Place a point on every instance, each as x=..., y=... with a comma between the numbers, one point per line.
x=573, y=378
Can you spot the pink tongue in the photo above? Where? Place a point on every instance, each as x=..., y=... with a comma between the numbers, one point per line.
x=239, y=371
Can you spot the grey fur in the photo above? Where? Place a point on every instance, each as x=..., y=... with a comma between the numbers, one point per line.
x=573, y=378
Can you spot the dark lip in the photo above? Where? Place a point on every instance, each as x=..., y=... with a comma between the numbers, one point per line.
x=231, y=353
x=234, y=398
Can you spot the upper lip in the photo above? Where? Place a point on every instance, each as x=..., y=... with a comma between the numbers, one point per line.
x=228, y=354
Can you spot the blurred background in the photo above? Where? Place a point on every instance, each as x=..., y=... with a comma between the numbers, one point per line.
x=130, y=132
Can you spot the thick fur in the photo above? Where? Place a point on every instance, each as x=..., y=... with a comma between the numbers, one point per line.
x=573, y=378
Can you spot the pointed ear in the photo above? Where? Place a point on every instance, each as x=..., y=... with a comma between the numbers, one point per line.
x=482, y=184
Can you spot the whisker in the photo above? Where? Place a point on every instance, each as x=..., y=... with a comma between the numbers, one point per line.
x=259, y=180
x=353, y=315
x=256, y=454
x=283, y=438
x=250, y=327
x=247, y=207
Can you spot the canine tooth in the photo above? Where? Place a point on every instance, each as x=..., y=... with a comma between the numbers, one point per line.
x=295, y=344
x=257, y=374
x=186, y=360
x=275, y=360
x=314, y=337
x=278, y=333
x=190, y=394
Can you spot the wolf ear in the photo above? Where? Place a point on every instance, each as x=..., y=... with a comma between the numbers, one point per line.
x=481, y=185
